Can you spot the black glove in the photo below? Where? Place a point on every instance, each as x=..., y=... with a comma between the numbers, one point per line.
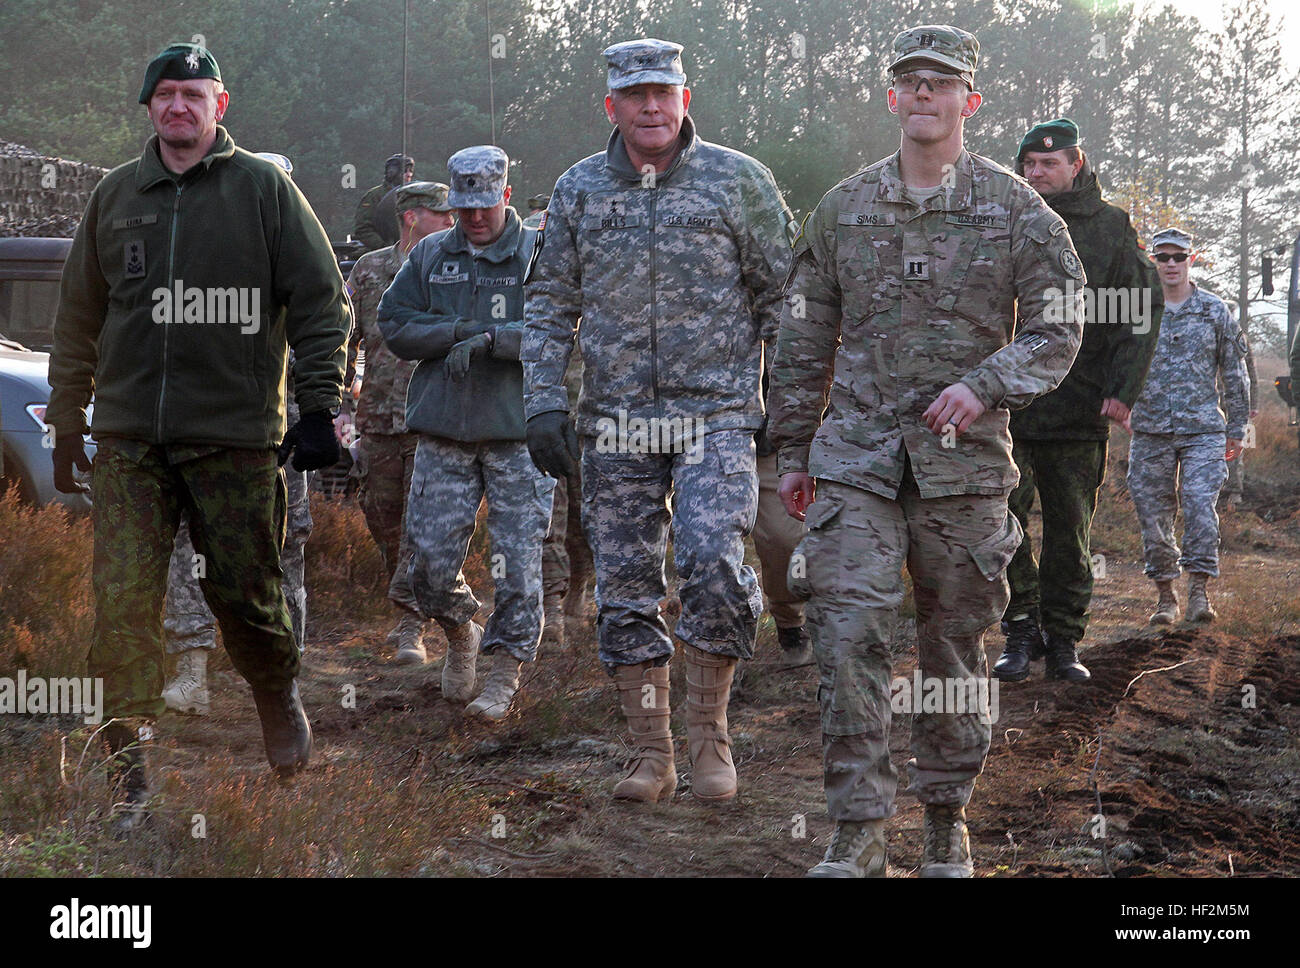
x=69, y=450
x=553, y=444
x=312, y=442
x=456, y=365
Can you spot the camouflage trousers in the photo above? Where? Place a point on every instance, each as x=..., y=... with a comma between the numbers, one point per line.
x=188, y=622
x=1066, y=474
x=956, y=550
x=449, y=481
x=236, y=504
x=1166, y=471
x=713, y=494
x=1236, y=480
x=776, y=535
x=566, y=556
x=386, y=464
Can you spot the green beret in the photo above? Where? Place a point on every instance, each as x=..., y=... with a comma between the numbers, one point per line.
x=1049, y=136
x=421, y=194
x=179, y=62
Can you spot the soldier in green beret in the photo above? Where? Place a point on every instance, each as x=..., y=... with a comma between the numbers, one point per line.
x=1061, y=438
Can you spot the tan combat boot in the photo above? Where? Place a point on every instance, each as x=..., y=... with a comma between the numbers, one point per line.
x=1166, y=612
x=856, y=850
x=462, y=655
x=553, y=621
x=188, y=692
x=643, y=692
x=947, y=842
x=409, y=639
x=1199, y=608
x=708, y=687
x=499, y=687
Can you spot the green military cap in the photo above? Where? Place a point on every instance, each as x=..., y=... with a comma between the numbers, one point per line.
x=1172, y=236
x=179, y=62
x=1049, y=136
x=940, y=44
x=399, y=159
x=539, y=202
x=644, y=61
x=421, y=194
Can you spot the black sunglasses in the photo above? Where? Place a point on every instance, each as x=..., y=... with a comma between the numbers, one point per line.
x=1166, y=256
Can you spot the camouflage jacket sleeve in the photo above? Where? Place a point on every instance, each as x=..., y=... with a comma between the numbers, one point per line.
x=1232, y=370
x=410, y=330
x=1133, y=344
x=1253, y=376
x=764, y=241
x=809, y=334
x=83, y=301
x=554, y=304
x=1048, y=281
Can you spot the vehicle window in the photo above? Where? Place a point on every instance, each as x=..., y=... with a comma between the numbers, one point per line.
x=27, y=309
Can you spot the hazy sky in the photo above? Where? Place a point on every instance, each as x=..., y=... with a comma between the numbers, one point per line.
x=1210, y=13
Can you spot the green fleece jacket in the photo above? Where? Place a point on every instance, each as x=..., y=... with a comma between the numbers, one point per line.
x=181, y=297
x=1121, y=321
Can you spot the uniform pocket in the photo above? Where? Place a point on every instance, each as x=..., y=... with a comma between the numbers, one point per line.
x=994, y=553
x=820, y=520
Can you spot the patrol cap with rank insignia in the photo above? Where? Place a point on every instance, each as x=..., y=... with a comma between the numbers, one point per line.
x=1172, y=236
x=422, y=194
x=1049, y=136
x=478, y=176
x=940, y=44
x=179, y=62
x=644, y=61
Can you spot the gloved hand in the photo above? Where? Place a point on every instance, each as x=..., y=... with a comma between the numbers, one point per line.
x=69, y=449
x=463, y=353
x=553, y=444
x=312, y=442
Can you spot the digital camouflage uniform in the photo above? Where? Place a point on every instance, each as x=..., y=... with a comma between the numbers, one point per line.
x=888, y=305
x=1176, y=458
x=471, y=431
x=1235, y=486
x=676, y=278
x=1060, y=438
x=386, y=447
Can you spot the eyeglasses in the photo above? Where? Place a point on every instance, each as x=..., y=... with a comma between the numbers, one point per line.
x=1166, y=256
x=939, y=83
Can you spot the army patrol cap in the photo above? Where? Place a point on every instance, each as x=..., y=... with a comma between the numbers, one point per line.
x=1172, y=236
x=949, y=47
x=645, y=61
x=478, y=176
x=1049, y=136
x=421, y=194
x=538, y=202
x=179, y=62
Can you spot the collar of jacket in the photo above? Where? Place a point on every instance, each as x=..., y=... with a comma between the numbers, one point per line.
x=150, y=169
x=620, y=165
x=954, y=198
x=1191, y=304
x=499, y=251
x=1083, y=197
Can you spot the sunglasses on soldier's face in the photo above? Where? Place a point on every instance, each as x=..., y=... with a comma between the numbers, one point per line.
x=1166, y=256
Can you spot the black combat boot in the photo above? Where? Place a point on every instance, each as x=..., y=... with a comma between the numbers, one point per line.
x=127, y=767
x=1024, y=644
x=796, y=647
x=1063, y=662
x=285, y=729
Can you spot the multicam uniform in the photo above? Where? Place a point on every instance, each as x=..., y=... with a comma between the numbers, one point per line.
x=1180, y=434
x=676, y=278
x=387, y=447
x=888, y=304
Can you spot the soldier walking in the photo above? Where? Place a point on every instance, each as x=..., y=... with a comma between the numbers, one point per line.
x=187, y=417
x=672, y=252
x=1060, y=438
x=1181, y=439
x=899, y=315
x=457, y=306
x=386, y=449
